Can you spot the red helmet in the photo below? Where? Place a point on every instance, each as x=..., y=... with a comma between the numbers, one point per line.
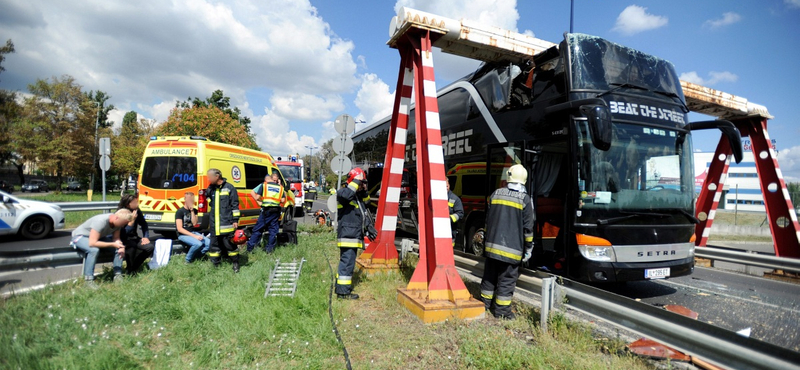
x=239, y=237
x=355, y=172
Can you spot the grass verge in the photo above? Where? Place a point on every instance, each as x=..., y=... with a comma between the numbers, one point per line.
x=194, y=316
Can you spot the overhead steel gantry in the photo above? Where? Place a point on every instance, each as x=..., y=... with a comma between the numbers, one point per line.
x=435, y=291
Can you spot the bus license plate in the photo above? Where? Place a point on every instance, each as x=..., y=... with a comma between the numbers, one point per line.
x=656, y=273
x=152, y=216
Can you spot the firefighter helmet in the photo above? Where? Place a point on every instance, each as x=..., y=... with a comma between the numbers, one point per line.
x=518, y=174
x=239, y=237
x=354, y=173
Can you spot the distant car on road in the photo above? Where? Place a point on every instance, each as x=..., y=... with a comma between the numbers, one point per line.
x=131, y=184
x=6, y=187
x=35, y=185
x=74, y=185
x=31, y=219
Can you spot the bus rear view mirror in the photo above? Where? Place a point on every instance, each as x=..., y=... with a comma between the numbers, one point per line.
x=728, y=129
x=600, y=125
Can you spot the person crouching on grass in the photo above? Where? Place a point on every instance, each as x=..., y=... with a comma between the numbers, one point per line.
x=93, y=234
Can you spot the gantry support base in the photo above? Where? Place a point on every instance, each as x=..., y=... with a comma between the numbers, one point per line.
x=367, y=267
x=438, y=311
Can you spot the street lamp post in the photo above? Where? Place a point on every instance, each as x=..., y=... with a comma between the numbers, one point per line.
x=94, y=155
x=311, y=155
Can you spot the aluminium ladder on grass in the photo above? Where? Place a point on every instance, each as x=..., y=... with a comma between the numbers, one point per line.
x=284, y=278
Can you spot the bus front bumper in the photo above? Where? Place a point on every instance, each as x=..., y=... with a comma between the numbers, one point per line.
x=629, y=271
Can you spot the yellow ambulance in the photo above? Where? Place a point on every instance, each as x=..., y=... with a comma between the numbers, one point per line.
x=174, y=165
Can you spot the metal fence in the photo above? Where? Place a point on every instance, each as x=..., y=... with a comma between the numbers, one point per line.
x=87, y=206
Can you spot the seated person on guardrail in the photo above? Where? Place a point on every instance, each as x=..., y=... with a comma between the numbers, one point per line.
x=92, y=235
x=185, y=219
x=137, y=249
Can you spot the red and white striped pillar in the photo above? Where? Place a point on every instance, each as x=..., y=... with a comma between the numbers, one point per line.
x=782, y=217
x=382, y=251
x=711, y=192
x=436, y=270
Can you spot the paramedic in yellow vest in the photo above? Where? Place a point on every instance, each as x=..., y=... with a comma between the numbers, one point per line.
x=272, y=196
x=509, y=241
x=224, y=202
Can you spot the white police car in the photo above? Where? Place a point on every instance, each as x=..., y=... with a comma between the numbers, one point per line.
x=29, y=218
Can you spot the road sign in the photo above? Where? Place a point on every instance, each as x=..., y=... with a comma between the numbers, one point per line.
x=341, y=164
x=105, y=146
x=342, y=145
x=105, y=162
x=332, y=206
x=344, y=124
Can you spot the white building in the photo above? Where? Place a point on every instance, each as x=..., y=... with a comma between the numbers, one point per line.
x=741, y=190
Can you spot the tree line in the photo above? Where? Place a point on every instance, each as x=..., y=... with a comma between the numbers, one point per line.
x=55, y=125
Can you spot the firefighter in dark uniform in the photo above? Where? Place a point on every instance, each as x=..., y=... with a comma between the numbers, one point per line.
x=353, y=224
x=223, y=201
x=456, y=211
x=271, y=196
x=509, y=241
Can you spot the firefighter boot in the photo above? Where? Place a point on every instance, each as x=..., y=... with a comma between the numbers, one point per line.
x=236, y=267
x=215, y=261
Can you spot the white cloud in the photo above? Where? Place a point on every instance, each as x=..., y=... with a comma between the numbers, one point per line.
x=789, y=160
x=373, y=99
x=635, y=19
x=150, y=52
x=713, y=78
x=305, y=107
x=792, y=3
x=275, y=137
x=728, y=18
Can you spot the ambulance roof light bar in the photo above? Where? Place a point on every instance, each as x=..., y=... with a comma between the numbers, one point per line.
x=467, y=38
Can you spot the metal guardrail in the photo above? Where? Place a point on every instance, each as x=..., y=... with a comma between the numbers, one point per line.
x=750, y=259
x=87, y=206
x=64, y=256
x=722, y=347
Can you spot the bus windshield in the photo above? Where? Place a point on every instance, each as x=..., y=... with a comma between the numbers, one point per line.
x=597, y=64
x=646, y=168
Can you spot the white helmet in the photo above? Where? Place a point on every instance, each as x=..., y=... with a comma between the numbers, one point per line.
x=517, y=174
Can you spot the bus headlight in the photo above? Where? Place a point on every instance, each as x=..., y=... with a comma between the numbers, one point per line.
x=598, y=253
x=595, y=249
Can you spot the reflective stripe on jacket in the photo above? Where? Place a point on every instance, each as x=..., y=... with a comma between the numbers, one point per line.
x=456, y=208
x=352, y=216
x=224, y=203
x=271, y=195
x=509, y=225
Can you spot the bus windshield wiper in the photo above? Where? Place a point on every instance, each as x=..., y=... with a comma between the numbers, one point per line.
x=673, y=95
x=628, y=216
x=618, y=86
x=688, y=215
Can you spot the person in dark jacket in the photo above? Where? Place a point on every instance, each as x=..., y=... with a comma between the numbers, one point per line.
x=223, y=202
x=456, y=211
x=137, y=249
x=509, y=241
x=354, y=223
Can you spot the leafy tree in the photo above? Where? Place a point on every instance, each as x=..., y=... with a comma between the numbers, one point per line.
x=100, y=98
x=794, y=193
x=209, y=122
x=56, y=127
x=7, y=49
x=219, y=100
x=130, y=144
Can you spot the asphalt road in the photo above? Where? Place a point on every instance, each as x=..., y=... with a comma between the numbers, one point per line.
x=734, y=301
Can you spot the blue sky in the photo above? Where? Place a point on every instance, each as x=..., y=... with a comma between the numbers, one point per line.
x=295, y=65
